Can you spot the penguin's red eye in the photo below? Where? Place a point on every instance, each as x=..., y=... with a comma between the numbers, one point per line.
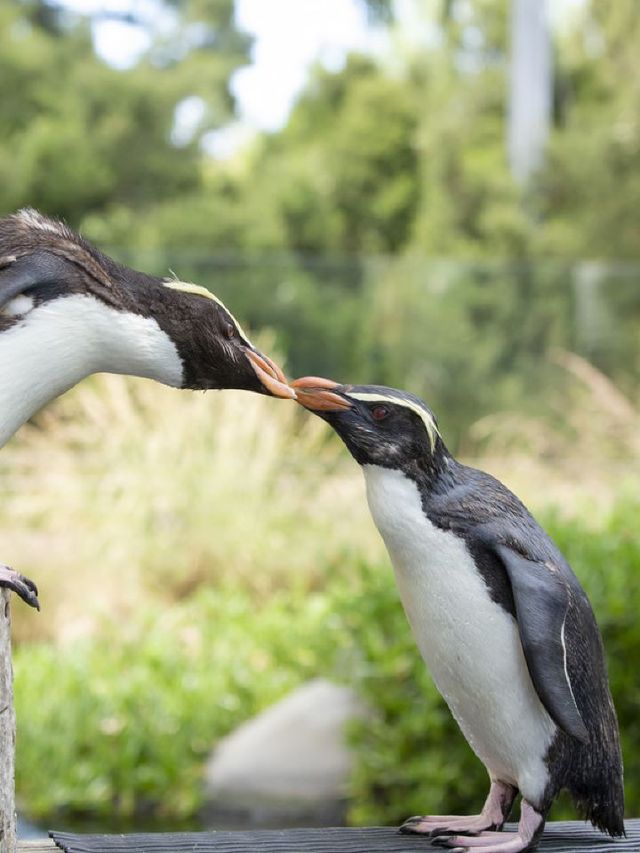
x=379, y=413
x=229, y=330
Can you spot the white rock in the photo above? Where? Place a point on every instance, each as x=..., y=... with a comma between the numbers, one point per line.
x=291, y=760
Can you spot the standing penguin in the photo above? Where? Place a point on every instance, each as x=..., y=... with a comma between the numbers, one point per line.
x=500, y=619
x=67, y=310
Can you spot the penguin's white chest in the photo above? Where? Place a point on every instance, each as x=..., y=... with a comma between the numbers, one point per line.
x=470, y=644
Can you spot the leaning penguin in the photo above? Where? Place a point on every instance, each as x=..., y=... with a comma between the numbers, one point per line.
x=67, y=310
x=500, y=619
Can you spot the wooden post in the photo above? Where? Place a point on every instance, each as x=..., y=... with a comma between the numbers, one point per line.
x=7, y=732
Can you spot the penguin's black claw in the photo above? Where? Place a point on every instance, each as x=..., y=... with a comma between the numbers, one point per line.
x=414, y=819
x=21, y=585
x=407, y=827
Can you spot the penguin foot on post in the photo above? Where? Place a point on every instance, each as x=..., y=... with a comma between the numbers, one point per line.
x=493, y=815
x=525, y=839
x=22, y=586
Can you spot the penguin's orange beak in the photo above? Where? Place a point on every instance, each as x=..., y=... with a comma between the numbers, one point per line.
x=270, y=375
x=319, y=395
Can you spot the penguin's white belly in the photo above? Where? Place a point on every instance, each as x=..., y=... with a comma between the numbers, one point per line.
x=470, y=644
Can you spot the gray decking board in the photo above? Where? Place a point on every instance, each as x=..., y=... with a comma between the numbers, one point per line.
x=559, y=837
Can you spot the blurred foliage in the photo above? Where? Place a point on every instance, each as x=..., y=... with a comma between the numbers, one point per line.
x=133, y=711
x=132, y=714
x=379, y=10
x=79, y=136
x=333, y=230
x=589, y=194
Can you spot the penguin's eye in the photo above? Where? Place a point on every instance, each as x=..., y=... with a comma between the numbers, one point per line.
x=379, y=413
x=229, y=330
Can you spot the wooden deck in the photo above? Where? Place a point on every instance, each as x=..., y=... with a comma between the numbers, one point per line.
x=559, y=837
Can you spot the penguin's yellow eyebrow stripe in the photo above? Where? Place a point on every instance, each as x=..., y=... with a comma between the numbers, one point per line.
x=198, y=290
x=425, y=417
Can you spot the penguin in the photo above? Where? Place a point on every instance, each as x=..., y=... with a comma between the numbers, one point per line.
x=67, y=311
x=500, y=619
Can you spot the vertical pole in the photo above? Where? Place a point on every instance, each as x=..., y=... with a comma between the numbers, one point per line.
x=7, y=732
x=530, y=87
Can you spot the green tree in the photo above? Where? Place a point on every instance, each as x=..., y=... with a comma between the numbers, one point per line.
x=80, y=136
x=590, y=194
x=340, y=177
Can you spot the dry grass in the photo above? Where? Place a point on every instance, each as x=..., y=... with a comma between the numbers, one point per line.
x=581, y=453
x=125, y=489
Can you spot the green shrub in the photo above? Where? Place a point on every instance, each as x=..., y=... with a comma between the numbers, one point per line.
x=120, y=724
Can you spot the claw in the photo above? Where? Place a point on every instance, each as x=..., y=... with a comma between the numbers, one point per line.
x=406, y=828
x=22, y=586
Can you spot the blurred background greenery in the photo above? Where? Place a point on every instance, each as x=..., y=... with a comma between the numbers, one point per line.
x=201, y=555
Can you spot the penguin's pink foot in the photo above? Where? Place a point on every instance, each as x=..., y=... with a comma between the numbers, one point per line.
x=22, y=586
x=493, y=815
x=525, y=839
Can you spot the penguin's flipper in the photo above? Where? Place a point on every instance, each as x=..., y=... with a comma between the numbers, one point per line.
x=37, y=268
x=541, y=601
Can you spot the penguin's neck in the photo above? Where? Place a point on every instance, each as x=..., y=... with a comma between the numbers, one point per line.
x=55, y=345
x=435, y=473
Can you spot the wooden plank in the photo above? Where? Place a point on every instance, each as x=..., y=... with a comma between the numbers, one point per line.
x=44, y=845
x=7, y=732
x=559, y=837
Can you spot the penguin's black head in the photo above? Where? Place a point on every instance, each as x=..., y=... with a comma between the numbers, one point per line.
x=173, y=331
x=214, y=349
x=379, y=425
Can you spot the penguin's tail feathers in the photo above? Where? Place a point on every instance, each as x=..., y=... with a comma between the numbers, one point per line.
x=603, y=805
x=607, y=817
